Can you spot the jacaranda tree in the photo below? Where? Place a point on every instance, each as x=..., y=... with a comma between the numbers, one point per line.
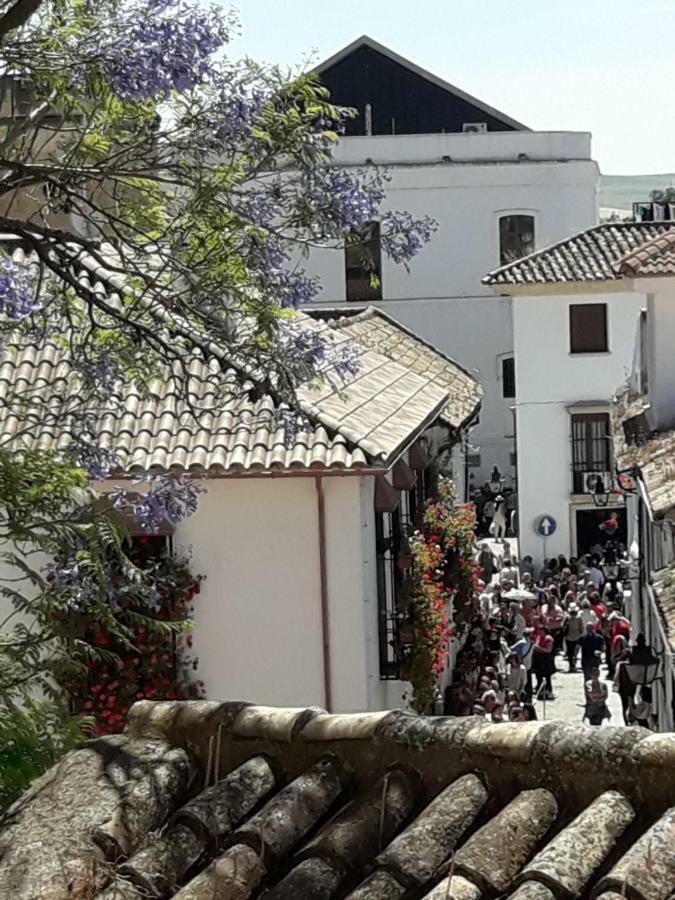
x=136, y=153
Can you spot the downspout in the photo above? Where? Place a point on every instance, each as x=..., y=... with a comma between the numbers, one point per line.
x=325, y=611
x=465, y=442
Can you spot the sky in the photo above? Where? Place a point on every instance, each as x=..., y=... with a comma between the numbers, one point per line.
x=604, y=66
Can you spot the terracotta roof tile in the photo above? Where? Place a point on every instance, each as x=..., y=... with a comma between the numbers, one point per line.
x=366, y=422
x=592, y=255
x=655, y=258
x=362, y=806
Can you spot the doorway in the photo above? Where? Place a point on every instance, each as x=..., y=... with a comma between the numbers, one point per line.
x=595, y=528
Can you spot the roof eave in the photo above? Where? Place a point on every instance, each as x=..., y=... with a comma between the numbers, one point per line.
x=433, y=416
x=606, y=286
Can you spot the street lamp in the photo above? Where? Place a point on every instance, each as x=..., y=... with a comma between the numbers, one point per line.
x=596, y=487
x=643, y=666
x=601, y=488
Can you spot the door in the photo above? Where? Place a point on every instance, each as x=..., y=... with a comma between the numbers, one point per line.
x=594, y=529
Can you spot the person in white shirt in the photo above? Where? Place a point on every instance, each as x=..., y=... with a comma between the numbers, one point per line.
x=518, y=620
x=516, y=677
x=523, y=648
x=586, y=614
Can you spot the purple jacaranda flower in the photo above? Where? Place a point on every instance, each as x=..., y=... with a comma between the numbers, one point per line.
x=17, y=290
x=162, y=47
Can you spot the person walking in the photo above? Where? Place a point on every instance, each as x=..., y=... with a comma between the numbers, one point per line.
x=524, y=648
x=573, y=630
x=487, y=562
x=596, y=699
x=625, y=688
x=516, y=677
x=499, y=519
x=586, y=614
x=591, y=644
x=641, y=707
x=553, y=618
x=543, y=663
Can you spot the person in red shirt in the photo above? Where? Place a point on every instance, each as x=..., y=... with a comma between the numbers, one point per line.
x=543, y=662
x=598, y=607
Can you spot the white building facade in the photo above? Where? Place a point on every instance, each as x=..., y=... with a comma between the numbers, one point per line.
x=574, y=322
x=301, y=534
x=502, y=190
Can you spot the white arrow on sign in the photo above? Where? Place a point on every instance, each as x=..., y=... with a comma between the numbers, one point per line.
x=546, y=525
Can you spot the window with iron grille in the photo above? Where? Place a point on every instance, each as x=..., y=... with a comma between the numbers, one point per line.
x=508, y=377
x=588, y=328
x=363, y=263
x=388, y=545
x=591, y=449
x=393, y=530
x=516, y=238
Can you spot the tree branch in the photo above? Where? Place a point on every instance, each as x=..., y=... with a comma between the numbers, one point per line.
x=17, y=15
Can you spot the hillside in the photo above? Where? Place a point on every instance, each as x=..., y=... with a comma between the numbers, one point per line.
x=621, y=191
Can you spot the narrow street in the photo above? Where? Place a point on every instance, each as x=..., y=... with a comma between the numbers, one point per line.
x=569, y=697
x=568, y=688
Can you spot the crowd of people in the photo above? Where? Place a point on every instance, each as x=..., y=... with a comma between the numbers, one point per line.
x=530, y=624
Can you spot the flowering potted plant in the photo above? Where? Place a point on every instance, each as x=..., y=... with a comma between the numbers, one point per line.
x=153, y=662
x=438, y=593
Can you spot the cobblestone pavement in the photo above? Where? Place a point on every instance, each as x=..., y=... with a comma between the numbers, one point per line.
x=569, y=698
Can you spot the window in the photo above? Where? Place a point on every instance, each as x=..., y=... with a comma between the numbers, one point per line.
x=588, y=328
x=513, y=460
x=363, y=263
x=388, y=544
x=509, y=377
x=516, y=238
x=591, y=451
x=473, y=460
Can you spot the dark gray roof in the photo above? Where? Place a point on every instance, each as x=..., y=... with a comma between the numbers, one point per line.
x=592, y=255
x=202, y=800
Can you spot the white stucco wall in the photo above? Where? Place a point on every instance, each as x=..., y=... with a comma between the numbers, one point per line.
x=660, y=356
x=548, y=380
x=548, y=175
x=258, y=631
x=258, y=617
x=257, y=620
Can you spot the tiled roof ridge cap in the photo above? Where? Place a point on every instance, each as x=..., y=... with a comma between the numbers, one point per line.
x=601, y=226
x=517, y=743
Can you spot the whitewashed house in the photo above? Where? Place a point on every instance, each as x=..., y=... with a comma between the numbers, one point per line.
x=574, y=322
x=496, y=189
x=297, y=534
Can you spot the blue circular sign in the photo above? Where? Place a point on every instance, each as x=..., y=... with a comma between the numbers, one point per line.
x=545, y=525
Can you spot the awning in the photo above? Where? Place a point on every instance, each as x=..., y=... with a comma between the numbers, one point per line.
x=403, y=476
x=418, y=458
x=387, y=498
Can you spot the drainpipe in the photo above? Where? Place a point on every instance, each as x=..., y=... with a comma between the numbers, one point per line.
x=325, y=612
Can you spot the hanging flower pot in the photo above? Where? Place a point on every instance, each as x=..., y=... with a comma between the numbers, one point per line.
x=404, y=559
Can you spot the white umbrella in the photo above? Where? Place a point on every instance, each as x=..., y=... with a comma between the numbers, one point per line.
x=518, y=594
